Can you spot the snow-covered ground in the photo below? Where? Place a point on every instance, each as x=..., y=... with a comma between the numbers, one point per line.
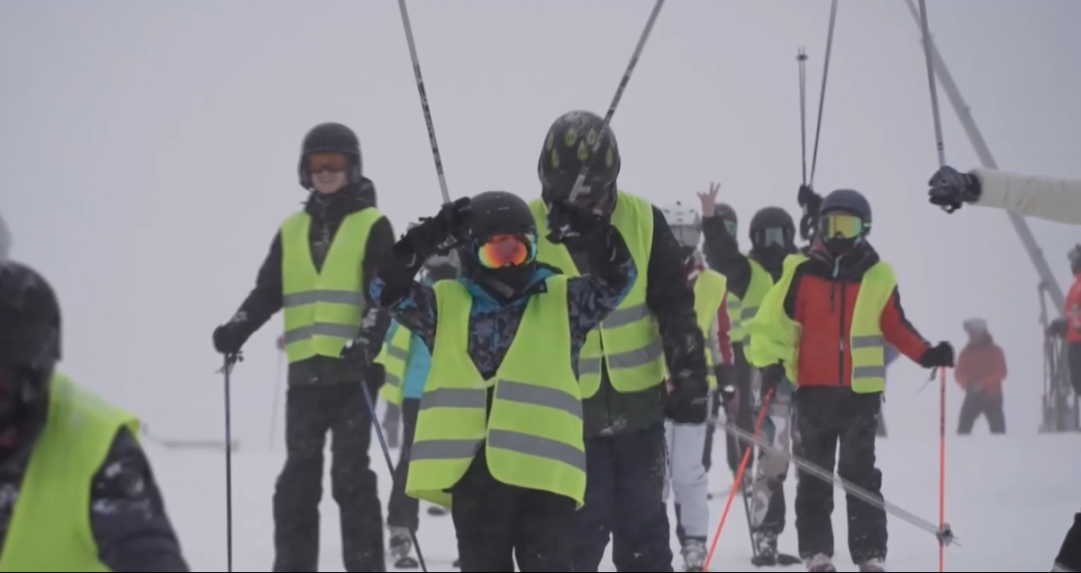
x=1009, y=500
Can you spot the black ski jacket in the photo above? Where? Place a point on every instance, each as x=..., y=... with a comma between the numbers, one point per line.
x=265, y=299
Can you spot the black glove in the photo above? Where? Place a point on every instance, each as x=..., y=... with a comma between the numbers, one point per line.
x=688, y=402
x=1057, y=327
x=436, y=235
x=939, y=355
x=772, y=376
x=229, y=338
x=729, y=396
x=950, y=189
x=359, y=353
x=568, y=223
x=810, y=202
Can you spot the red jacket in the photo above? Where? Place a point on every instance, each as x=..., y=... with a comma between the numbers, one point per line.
x=1073, y=311
x=981, y=367
x=824, y=304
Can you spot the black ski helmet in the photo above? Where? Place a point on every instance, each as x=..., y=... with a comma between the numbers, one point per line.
x=848, y=201
x=330, y=137
x=568, y=146
x=29, y=321
x=772, y=218
x=499, y=213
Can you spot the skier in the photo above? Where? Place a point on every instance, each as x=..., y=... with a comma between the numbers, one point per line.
x=750, y=276
x=981, y=369
x=724, y=219
x=410, y=362
x=319, y=266
x=827, y=320
x=500, y=426
x=79, y=494
x=1042, y=197
x=623, y=364
x=686, y=442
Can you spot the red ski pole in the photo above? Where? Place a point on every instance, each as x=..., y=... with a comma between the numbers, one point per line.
x=942, y=468
x=738, y=486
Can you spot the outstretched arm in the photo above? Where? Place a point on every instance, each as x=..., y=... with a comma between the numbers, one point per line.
x=396, y=289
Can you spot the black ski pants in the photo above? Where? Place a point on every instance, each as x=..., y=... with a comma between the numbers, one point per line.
x=498, y=524
x=976, y=405
x=312, y=411
x=403, y=510
x=830, y=417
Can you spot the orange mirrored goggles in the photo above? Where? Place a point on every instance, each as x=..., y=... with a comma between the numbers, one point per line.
x=507, y=251
x=327, y=161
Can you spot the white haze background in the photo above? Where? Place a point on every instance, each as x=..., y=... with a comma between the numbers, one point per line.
x=148, y=152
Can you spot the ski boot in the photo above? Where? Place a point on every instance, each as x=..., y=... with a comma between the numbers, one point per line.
x=875, y=565
x=401, y=548
x=765, y=543
x=820, y=563
x=436, y=511
x=694, y=555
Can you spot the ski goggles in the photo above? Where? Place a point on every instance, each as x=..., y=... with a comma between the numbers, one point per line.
x=771, y=237
x=840, y=225
x=731, y=227
x=326, y=161
x=506, y=251
x=687, y=235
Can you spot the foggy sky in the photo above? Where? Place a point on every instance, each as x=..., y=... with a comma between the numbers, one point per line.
x=148, y=151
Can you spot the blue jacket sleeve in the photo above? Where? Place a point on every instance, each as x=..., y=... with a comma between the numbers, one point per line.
x=127, y=513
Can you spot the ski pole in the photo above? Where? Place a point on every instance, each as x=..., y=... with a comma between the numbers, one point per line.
x=277, y=400
x=801, y=59
x=939, y=144
x=738, y=486
x=579, y=183
x=822, y=94
x=226, y=370
x=943, y=533
x=390, y=465
x=942, y=467
x=424, y=102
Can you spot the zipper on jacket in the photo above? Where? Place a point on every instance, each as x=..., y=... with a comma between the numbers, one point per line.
x=841, y=347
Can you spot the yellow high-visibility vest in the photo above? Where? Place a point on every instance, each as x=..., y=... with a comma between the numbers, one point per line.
x=533, y=434
x=394, y=357
x=710, y=288
x=323, y=309
x=628, y=340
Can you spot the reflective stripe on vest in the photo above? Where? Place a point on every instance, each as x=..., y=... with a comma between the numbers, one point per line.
x=746, y=308
x=709, y=291
x=775, y=338
x=628, y=339
x=394, y=357
x=323, y=309
x=50, y=526
x=534, y=430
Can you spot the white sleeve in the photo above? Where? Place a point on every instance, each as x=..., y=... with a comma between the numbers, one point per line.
x=1056, y=200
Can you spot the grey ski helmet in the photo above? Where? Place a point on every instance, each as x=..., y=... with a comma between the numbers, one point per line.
x=332, y=137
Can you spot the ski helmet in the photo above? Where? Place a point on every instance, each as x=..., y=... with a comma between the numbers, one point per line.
x=839, y=234
x=848, y=201
x=686, y=224
x=772, y=227
x=728, y=215
x=568, y=147
x=495, y=213
x=30, y=319
x=330, y=137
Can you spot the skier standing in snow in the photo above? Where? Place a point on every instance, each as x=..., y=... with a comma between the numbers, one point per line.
x=1046, y=198
x=981, y=369
x=824, y=324
x=318, y=269
x=686, y=465
x=408, y=363
x=750, y=277
x=622, y=370
x=79, y=494
x=500, y=426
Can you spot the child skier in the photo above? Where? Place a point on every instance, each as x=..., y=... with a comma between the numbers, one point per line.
x=687, y=473
x=500, y=426
x=403, y=511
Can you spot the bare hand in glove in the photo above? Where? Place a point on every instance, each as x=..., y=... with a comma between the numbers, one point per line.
x=939, y=355
x=772, y=376
x=688, y=402
x=950, y=189
x=436, y=235
x=359, y=353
